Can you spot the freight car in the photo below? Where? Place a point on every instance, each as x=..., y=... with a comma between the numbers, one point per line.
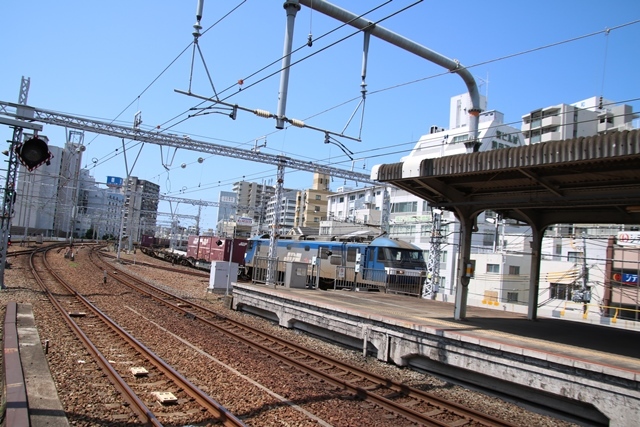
x=200, y=252
x=381, y=263
x=154, y=242
x=203, y=250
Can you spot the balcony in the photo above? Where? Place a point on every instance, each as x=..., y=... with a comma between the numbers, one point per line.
x=551, y=121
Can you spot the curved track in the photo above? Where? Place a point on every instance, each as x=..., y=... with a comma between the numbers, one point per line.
x=100, y=335
x=412, y=404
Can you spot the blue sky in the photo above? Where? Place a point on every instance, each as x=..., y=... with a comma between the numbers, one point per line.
x=108, y=60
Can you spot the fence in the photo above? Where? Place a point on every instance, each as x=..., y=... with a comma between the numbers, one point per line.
x=261, y=268
x=406, y=282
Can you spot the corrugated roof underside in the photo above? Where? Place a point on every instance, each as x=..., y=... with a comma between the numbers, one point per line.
x=602, y=148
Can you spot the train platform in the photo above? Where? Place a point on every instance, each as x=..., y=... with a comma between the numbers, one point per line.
x=589, y=371
x=31, y=398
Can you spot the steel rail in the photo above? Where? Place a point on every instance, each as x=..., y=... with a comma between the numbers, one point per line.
x=215, y=408
x=186, y=307
x=137, y=405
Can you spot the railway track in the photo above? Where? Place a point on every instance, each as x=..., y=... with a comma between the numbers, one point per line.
x=153, y=390
x=412, y=404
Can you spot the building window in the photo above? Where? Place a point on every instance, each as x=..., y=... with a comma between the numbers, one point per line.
x=514, y=270
x=402, y=230
x=574, y=256
x=488, y=239
x=404, y=207
x=341, y=200
x=512, y=297
x=560, y=291
x=493, y=268
x=318, y=197
x=460, y=138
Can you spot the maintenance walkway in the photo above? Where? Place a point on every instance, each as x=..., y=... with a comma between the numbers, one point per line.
x=31, y=398
x=586, y=370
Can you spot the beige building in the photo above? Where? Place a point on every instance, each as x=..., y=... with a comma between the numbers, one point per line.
x=311, y=204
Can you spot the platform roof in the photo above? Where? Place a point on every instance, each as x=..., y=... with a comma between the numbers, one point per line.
x=581, y=180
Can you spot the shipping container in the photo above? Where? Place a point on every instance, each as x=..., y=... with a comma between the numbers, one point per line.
x=212, y=248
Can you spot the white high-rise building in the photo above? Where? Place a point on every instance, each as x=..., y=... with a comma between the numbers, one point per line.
x=252, y=199
x=287, y=206
x=589, y=117
x=140, y=208
x=493, y=133
x=99, y=209
x=47, y=197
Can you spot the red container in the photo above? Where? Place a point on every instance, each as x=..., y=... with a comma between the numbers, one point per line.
x=211, y=248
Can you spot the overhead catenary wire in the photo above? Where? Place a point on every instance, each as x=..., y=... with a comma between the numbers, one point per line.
x=493, y=60
x=484, y=63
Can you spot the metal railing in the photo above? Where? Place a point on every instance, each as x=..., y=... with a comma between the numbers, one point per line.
x=261, y=267
x=406, y=282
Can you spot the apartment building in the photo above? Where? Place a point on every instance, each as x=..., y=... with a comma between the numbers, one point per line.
x=46, y=197
x=311, y=204
x=140, y=208
x=589, y=117
x=253, y=198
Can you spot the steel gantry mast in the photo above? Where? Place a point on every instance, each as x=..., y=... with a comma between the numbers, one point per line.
x=25, y=113
x=272, y=256
x=32, y=114
x=12, y=169
x=431, y=284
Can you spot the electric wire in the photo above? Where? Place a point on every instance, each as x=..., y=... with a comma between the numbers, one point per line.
x=419, y=80
x=396, y=86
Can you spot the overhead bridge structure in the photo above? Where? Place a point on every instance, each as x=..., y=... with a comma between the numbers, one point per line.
x=582, y=180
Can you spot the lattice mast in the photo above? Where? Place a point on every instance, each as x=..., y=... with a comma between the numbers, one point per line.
x=432, y=282
x=10, y=184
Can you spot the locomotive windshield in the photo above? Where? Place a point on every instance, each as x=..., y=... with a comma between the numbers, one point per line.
x=393, y=254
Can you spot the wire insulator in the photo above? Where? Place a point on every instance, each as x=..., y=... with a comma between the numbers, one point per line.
x=297, y=123
x=262, y=113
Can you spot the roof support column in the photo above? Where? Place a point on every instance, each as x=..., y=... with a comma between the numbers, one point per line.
x=465, y=269
x=534, y=274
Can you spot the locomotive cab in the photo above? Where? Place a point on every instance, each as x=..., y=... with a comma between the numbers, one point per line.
x=402, y=262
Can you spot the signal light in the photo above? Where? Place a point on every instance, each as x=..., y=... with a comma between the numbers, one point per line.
x=34, y=153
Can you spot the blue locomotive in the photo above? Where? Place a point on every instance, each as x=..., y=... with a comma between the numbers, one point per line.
x=381, y=264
